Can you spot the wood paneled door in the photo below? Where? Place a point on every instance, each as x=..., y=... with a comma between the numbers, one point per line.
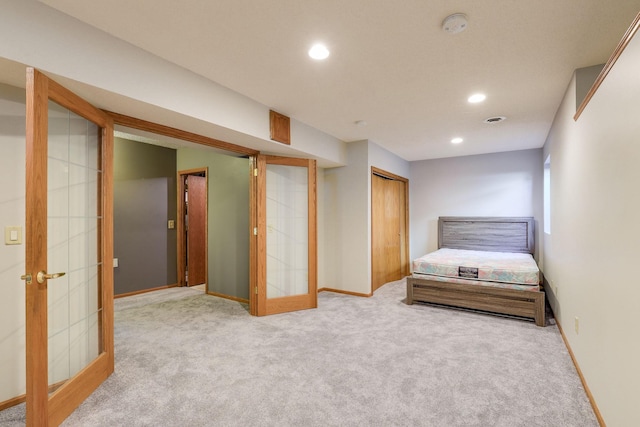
x=192, y=227
x=69, y=238
x=286, y=235
x=389, y=227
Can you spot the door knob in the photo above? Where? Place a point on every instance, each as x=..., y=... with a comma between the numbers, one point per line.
x=42, y=276
x=26, y=277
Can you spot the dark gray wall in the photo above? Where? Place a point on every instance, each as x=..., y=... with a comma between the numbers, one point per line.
x=144, y=200
x=228, y=218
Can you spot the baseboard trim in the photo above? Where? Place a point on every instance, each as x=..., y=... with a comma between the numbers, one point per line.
x=340, y=291
x=229, y=297
x=23, y=398
x=12, y=402
x=144, y=291
x=592, y=401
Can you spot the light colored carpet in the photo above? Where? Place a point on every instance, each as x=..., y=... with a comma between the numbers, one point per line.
x=184, y=358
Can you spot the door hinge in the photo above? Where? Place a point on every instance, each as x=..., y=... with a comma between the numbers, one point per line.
x=255, y=231
x=255, y=172
x=256, y=290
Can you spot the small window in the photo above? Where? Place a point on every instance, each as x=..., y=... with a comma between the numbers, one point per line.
x=547, y=195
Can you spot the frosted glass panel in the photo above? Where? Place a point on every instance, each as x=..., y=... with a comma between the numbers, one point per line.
x=287, y=231
x=74, y=223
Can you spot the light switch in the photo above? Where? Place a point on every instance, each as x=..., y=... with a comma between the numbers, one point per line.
x=13, y=235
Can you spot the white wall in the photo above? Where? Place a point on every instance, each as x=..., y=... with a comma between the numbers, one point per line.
x=346, y=227
x=12, y=213
x=591, y=253
x=347, y=213
x=501, y=184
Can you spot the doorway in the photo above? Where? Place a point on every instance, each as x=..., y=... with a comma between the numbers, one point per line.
x=192, y=228
x=389, y=227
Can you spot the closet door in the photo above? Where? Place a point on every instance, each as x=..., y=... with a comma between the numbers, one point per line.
x=389, y=246
x=69, y=250
x=287, y=260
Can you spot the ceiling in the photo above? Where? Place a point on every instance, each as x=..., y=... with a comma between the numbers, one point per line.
x=391, y=64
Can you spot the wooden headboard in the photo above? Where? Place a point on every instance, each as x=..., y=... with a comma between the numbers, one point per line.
x=498, y=234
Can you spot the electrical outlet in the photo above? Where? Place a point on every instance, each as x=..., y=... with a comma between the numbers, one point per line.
x=577, y=325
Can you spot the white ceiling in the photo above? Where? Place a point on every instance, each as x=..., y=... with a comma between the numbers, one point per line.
x=391, y=64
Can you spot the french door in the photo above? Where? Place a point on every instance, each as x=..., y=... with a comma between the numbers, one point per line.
x=286, y=235
x=69, y=250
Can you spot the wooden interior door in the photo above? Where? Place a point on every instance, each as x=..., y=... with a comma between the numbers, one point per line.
x=389, y=242
x=69, y=238
x=197, y=230
x=286, y=235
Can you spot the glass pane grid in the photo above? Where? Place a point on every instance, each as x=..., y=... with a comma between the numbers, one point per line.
x=74, y=221
x=287, y=231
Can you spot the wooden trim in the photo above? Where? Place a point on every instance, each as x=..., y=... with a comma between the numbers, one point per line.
x=312, y=254
x=340, y=291
x=592, y=400
x=128, y=121
x=626, y=39
x=279, y=127
x=261, y=243
x=229, y=297
x=13, y=402
x=106, y=240
x=72, y=393
x=385, y=174
x=144, y=291
x=36, y=348
x=23, y=397
x=253, y=238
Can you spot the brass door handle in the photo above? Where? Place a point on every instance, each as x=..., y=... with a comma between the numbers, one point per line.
x=42, y=276
x=26, y=277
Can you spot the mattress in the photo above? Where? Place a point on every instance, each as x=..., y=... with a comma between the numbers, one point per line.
x=479, y=266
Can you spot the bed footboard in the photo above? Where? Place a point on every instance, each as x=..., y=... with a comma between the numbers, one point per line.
x=530, y=304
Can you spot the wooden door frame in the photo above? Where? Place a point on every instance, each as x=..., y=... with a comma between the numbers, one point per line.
x=180, y=223
x=44, y=409
x=159, y=129
x=405, y=236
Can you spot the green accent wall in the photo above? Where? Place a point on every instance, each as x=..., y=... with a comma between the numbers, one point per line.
x=145, y=199
x=228, y=218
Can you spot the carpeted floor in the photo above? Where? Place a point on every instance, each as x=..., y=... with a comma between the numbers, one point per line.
x=184, y=358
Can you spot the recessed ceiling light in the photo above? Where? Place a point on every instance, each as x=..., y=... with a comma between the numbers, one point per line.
x=319, y=51
x=477, y=97
x=457, y=140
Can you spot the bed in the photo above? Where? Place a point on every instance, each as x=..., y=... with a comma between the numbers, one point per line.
x=482, y=263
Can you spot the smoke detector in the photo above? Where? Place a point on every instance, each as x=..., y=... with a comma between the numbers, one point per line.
x=454, y=24
x=496, y=119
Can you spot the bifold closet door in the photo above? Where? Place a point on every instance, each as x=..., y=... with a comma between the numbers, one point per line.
x=287, y=240
x=388, y=230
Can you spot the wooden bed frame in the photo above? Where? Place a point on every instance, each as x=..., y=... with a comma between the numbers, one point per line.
x=499, y=234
